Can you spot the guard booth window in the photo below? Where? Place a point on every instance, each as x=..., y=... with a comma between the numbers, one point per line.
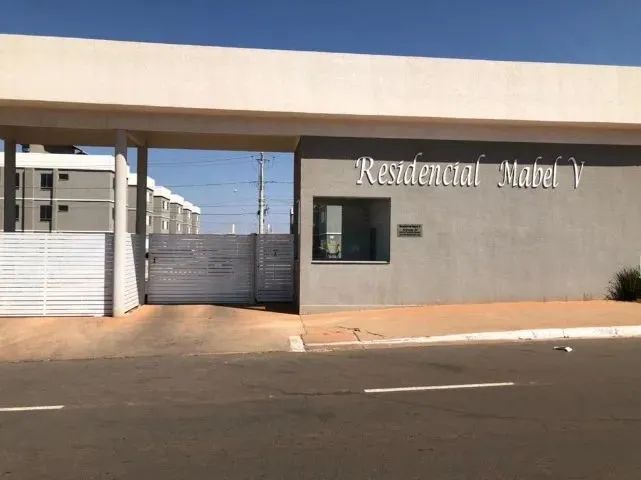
x=350, y=229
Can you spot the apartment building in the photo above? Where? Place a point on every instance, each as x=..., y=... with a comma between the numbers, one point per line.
x=195, y=219
x=132, y=182
x=69, y=192
x=161, y=198
x=63, y=192
x=176, y=204
x=188, y=208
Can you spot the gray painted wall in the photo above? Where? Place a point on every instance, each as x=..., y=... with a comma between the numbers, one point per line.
x=479, y=244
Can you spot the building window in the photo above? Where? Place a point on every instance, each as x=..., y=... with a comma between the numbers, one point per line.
x=17, y=180
x=46, y=180
x=149, y=220
x=165, y=205
x=63, y=176
x=178, y=228
x=45, y=213
x=351, y=229
x=164, y=224
x=63, y=208
x=17, y=213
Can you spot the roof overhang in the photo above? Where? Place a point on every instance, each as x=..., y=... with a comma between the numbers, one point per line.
x=65, y=90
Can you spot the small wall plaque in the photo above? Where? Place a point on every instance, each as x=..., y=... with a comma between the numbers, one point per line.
x=409, y=230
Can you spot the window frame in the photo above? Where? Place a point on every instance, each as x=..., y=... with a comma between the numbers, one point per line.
x=327, y=199
x=44, y=175
x=50, y=213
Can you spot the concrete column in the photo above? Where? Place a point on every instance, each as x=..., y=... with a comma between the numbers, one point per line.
x=141, y=193
x=10, y=185
x=141, y=218
x=120, y=224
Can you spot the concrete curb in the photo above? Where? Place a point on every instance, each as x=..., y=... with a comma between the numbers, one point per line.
x=296, y=344
x=627, y=331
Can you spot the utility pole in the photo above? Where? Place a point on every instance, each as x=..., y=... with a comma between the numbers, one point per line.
x=261, y=194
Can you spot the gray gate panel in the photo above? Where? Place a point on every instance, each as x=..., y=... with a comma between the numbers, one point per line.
x=274, y=268
x=201, y=269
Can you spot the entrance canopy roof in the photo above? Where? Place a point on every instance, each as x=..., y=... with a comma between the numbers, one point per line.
x=66, y=90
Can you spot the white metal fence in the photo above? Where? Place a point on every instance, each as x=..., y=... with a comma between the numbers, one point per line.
x=61, y=274
x=238, y=269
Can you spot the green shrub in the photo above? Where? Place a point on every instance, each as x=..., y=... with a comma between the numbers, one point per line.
x=625, y=286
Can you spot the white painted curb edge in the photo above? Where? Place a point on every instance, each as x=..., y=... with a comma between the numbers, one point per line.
x=627, y=331
x=296, y=344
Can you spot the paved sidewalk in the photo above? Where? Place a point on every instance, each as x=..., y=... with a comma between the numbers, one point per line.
x=438, y=320
x=208, y=329
x=148, y=330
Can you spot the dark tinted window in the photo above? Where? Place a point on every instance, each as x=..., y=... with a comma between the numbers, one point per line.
x=45, y=213
x=351, y=229
x=46, y=180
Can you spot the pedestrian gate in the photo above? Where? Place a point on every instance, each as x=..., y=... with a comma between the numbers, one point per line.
x=241, y=269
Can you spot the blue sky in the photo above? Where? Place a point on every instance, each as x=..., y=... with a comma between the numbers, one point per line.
x=580, y=31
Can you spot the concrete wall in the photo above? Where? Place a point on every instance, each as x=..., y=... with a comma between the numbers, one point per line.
x=82, y=216
x=480, y=243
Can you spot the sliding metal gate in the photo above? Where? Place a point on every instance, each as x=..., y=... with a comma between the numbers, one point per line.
x=274, y=268
x=238, y=269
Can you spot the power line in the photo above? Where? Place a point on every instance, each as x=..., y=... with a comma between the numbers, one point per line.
x=208, y=160
x=186, y=185
x=228, y=183
x=213, y=160
x=238, y=214
x=203, y=164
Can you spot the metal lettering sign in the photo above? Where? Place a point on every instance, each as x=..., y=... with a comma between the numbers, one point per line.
x=409, y=230
x=424, y=173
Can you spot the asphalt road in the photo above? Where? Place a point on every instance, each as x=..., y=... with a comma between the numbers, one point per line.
x=306, y=416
